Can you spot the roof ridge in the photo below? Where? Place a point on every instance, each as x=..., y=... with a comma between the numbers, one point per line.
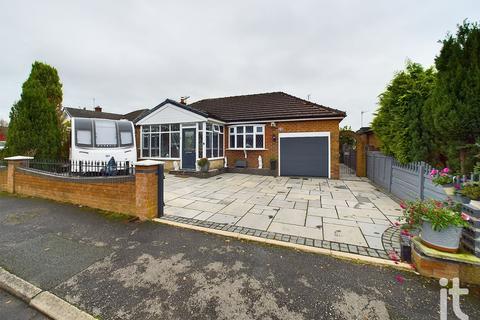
x=238, y=96
x=314, y=103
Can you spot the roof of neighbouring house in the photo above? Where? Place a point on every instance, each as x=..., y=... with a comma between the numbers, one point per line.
x=264, y=106
x=83, y=113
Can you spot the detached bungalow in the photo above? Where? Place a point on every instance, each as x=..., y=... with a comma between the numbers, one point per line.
x=303, y=136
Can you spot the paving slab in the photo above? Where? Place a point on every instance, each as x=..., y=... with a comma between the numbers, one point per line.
x=237, y=208
x=314, y=233
x=291, y=216
x=255, y=221
x=322, y=212
x=205, y=206
x=344, y=234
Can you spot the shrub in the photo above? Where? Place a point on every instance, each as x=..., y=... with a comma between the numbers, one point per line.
x=471, y=191
x=202, y=162
x=442, y=177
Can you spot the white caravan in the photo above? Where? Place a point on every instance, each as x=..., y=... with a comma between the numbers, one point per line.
x=98, y=140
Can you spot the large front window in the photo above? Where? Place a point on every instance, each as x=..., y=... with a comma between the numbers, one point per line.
x=247, y=137
x=161, y=141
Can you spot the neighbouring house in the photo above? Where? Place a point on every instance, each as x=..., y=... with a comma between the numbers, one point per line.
x=301, y=135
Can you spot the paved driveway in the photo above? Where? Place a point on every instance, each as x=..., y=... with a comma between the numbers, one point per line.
x=345, y=215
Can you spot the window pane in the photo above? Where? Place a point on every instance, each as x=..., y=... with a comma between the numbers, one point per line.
x=84, y=137
x=259, y=129
x=155, y=149
x=146, y=145
x=105, y=133
x=220, y=152
x=239, y=129
x=240, y=141
x=200, y=144
x=154, y=128
x=232, y=141
x=259, y=140
x=232, y=130
x=126, y=138
x=164, y=128
x=175, y=127
x=146, y=129
x=221, y=129
x=175, y=144
x=209, y=144
x=249, y=129
x=209, y=126
x=215, y=127
x=215, y=144
x=249, y=141
x=165, y=146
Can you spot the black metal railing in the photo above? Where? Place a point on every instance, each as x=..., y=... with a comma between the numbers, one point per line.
x=83, y=168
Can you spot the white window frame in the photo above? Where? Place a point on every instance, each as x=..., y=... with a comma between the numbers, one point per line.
x=160, y=141
x=254, y=133
x=204, y=142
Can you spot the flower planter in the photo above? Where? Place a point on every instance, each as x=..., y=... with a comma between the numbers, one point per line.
x=447, y=240
x=449, y=189
x=475, y=203
x=205, y=168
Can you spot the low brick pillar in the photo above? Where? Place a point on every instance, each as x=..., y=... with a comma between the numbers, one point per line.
x=146, y=188
x=13, y=163
x=361, y=148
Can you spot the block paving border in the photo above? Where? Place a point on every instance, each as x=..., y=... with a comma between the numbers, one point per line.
x=390, y=238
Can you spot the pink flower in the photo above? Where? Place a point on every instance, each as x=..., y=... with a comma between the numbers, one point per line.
x=405, y=232
x=446, y=170
x=403, y=205
x=465, y=216
x=433, y=172
x=457, y=186
x=393, y=256
x=399, y=279
x=397, y=223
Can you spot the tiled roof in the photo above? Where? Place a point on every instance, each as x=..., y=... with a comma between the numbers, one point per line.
x=83, y=113
x=264, y=106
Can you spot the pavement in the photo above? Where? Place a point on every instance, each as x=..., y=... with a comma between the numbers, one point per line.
x=114, y=268
x=346, y=215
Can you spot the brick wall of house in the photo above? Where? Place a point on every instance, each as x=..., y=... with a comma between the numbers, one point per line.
x=3, y=179
x=111, y=194
x=271, y=146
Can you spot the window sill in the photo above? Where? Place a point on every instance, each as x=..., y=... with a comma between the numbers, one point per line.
x=160, y=159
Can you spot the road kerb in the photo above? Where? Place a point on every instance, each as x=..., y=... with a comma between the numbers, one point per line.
x=43, y=301
x=304, y=248
x=17, y=286
x=57, y=308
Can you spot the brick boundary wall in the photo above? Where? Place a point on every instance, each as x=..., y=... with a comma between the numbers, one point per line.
x=115, y=194
x=132, y=195
x=3, y=178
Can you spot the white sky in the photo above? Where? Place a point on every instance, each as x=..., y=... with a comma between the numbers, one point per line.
x=131, y=54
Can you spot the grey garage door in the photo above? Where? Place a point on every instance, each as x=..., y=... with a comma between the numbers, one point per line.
x=304, y=156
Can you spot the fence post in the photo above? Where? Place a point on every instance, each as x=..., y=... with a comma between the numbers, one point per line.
x=421, y=177
x=13, y=163
x=146, y=189
x=390, y=174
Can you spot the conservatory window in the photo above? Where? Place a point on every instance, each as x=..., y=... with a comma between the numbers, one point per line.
x=161, y=141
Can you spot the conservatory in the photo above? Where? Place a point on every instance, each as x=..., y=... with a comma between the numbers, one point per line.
x=179, y=136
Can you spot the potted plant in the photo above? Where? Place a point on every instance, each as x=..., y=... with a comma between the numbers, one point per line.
x=471, y=190
x=441, y=223
x=445, y=179
x=204, y=164
x=273, y=163
x=459, y=196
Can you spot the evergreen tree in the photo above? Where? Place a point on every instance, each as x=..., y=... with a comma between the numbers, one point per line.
x=35, y=128
x=455, y=101
x=398, y=122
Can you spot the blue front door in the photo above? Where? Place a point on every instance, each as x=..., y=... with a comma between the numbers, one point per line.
x=189, y=152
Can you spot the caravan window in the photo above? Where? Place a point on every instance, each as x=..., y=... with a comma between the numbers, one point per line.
x=105, y=134
x=126, y=133
x=83, y=132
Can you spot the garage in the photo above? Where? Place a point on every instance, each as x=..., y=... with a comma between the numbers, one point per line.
x=304, y=154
